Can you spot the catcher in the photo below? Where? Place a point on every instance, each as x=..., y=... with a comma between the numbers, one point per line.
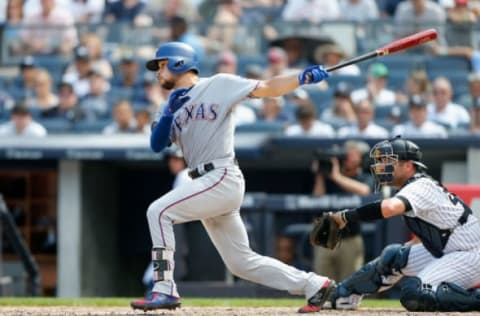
x=440, y=267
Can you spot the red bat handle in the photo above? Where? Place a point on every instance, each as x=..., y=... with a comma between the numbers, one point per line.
x=407, y=42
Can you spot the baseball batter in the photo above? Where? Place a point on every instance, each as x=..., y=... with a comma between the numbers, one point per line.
x=198, y=119
x=440, y=268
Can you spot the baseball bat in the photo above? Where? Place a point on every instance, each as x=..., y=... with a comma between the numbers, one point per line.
x=393, y=47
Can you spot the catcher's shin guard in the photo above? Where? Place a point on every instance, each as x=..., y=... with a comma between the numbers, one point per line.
x=377, y=274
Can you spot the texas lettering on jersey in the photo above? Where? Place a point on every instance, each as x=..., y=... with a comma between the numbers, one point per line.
x=195, y=112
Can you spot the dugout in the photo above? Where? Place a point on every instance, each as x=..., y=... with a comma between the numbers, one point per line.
x=97, y=190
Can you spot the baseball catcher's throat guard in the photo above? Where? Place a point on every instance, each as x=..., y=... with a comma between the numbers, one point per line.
x=161, y=259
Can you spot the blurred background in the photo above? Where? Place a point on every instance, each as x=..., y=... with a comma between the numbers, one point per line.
x=76, y=104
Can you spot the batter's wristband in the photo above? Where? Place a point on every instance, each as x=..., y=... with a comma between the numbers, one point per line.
x=368, y=212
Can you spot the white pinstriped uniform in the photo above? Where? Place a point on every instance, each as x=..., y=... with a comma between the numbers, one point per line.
x=204, y=129
x=460, y=263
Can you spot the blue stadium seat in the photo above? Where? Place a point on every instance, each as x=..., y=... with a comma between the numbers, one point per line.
x=56, y=125
x=246, y=60
x=268, y=127
x=402, y=63
x=355, y=82
x=447, y=63
x=321, y=99
x=85, y=127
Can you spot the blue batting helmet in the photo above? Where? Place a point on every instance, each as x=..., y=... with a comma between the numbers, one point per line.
x=181, y=58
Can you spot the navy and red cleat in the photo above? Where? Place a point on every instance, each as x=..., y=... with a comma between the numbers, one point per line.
x=155, y=300
x=315, y=303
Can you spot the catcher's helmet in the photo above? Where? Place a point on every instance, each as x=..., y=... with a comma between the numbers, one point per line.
x=385, y=154
x=181, y=58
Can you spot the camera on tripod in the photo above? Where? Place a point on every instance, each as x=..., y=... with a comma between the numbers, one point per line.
x=323, y=157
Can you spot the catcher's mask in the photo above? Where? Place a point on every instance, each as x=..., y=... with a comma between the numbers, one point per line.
x=385, y=155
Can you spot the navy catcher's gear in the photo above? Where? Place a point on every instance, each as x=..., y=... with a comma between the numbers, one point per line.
x=369, y=279
x=181, y=58
x=386, y=154
x=418, y=297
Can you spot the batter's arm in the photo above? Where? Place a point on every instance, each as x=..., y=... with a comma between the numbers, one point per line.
x=284, y=84
x=276, y=86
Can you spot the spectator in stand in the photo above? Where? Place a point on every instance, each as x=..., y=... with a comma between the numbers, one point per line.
x=313, y=11
x=14, y=22
x=94, y=45
x=345, y=177
x=87, y=11
x=308, y=125
x=78, y=75
x=68, y=107
x=272, y=110
x=44, y=99
x=376, y=90
x=443, y=110
x=165, y=10
x=227, y=63
x=124, y=11
x=358, y=10
x=49, y=31
x=150, y=96
x=128, y=81
x=475, y=117
x=473, y=96
x=23, y=86
x=124, y=120
x=417, y=84
x=331, y=55
x=22, y=124
x=419, y=126
x=277, y=62
x=143, y=119
x=460, y=12
x=179, y=33
x=342, y=113
x=222, y=32
x=414, y=15
x=365, y=127
x=96, y=104
x=389, y=7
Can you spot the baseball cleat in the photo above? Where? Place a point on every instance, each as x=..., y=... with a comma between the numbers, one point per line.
x=155, y=300
x=315, y=303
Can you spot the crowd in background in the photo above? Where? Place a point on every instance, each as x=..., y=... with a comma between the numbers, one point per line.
x=91, y=87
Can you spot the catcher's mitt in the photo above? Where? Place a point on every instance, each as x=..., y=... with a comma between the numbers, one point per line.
x=325, y=232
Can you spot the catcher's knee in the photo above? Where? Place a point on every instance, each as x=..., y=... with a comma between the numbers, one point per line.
x=162, y=260
x=417, y=296
x=392, y=259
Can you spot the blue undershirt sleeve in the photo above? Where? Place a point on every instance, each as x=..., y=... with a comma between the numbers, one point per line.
x=160, y=136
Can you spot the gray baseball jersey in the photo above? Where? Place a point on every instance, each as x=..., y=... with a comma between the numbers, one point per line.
x=203, y=128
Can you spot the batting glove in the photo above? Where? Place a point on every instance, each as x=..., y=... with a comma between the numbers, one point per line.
x=312, y=74
x=176, y=100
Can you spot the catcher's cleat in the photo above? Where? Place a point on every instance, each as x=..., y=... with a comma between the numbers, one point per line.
x=155, y=300
x=315, y=303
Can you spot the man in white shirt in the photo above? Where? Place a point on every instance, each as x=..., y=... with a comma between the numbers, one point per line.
x=22, y=124
x=443, y=110
x=365, y=126
x=308, y=125
x=376, y=90
x=419, y=126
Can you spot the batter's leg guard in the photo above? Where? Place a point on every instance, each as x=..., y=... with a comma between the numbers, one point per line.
x=162, y=271
x=451, y=297
x=417, y=296
x=371, y=277
x=161, y=259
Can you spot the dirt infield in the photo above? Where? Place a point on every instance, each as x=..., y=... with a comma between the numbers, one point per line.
x=198, y=311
